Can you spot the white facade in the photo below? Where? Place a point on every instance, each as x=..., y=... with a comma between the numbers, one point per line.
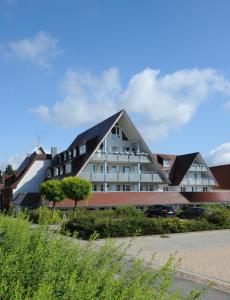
x=32, y=179
x=122, y=163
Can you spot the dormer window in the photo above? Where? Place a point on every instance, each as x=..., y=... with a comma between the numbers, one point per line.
x=82, y=149
x=74, y=152
x=166, y=162
x=69, y=154
x=68, y=168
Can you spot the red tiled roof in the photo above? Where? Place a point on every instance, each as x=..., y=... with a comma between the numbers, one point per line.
x=222, y=175
x=218, y=196
x=99, y=199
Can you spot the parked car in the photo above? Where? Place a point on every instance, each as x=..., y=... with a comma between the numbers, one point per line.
x=160, y=211
x=191, y=212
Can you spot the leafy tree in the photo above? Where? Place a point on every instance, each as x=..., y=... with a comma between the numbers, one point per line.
x=9, y=170
x=76, y=188
x=52, y=191
x=1, y=177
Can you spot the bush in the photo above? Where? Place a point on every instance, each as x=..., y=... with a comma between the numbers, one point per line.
x=35, y=265
x=128, y=211
x=45, y=216
x=218, y=216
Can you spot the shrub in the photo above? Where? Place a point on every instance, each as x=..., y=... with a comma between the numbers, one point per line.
x=218, y=216
x=128, y=211
x=35, y=265
x=44, y=215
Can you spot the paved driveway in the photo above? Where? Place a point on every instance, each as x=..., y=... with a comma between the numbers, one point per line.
x=204, y=255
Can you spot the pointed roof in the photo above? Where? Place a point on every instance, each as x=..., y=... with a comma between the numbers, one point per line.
x=222, y=176
x=180, y=168
x=38, y=154
x=94, y=136
x=98, y=131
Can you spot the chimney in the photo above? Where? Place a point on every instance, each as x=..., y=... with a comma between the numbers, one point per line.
x=53, y=152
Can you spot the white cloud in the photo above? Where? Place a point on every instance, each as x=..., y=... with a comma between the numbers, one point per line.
x=220, y=155
x=87, y=99
x=39, y=50
x=159, y=103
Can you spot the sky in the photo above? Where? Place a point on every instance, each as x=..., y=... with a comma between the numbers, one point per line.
x=67, y=65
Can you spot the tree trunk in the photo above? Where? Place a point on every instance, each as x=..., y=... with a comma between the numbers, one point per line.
x=75, y=207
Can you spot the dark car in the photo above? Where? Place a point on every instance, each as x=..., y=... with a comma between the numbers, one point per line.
x=160, y=211
x=191, y=212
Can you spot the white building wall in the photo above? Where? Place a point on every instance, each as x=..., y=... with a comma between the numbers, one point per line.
x=32, y=179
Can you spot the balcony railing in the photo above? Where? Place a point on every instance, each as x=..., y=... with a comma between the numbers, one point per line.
x=121, y=177
x=198, y=169
x=197, y=182
x=120, y=157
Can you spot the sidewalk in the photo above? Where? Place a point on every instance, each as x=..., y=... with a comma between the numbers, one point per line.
x=204, y=255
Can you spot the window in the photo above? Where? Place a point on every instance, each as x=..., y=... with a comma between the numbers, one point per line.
x=115, y=132
x=69, y=154
x=49, y=173
x=166, y=162
x=102, y=168
x=126, y=188
x=55, y=171
x=61, y=170
x=102, y=187
x=68, y=168
x=74, y=152
x=183, y=189
x=94, y=187
x=82, y=149
x=126, y=149
x=65, y=156
x=94, y=168
x=125, y=169
x=205, y=189
x=124, y=137
x=114, y=169
x=114, y=149
x=118, y=187
x=165, y=189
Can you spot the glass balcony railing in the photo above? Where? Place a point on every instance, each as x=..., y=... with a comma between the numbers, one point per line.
x=198, y=169
x=204, y=181
x=121, y=177
x=120, y=157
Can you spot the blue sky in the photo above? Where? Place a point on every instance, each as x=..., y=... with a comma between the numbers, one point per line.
x=66, y=65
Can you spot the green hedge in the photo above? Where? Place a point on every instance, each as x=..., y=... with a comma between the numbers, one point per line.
x=134, y=226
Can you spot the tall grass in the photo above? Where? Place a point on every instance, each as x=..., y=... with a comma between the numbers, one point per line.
x=34, y=264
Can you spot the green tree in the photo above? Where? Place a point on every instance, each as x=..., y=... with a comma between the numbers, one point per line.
x=52, y=190
x=76, y=188
x=9, y=170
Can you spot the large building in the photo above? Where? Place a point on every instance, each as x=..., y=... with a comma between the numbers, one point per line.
x=123, y=170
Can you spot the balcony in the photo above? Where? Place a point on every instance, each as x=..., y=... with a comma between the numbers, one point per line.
x=120, y=157
x=204, y=181
x=198, y=169
x=121, y=177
